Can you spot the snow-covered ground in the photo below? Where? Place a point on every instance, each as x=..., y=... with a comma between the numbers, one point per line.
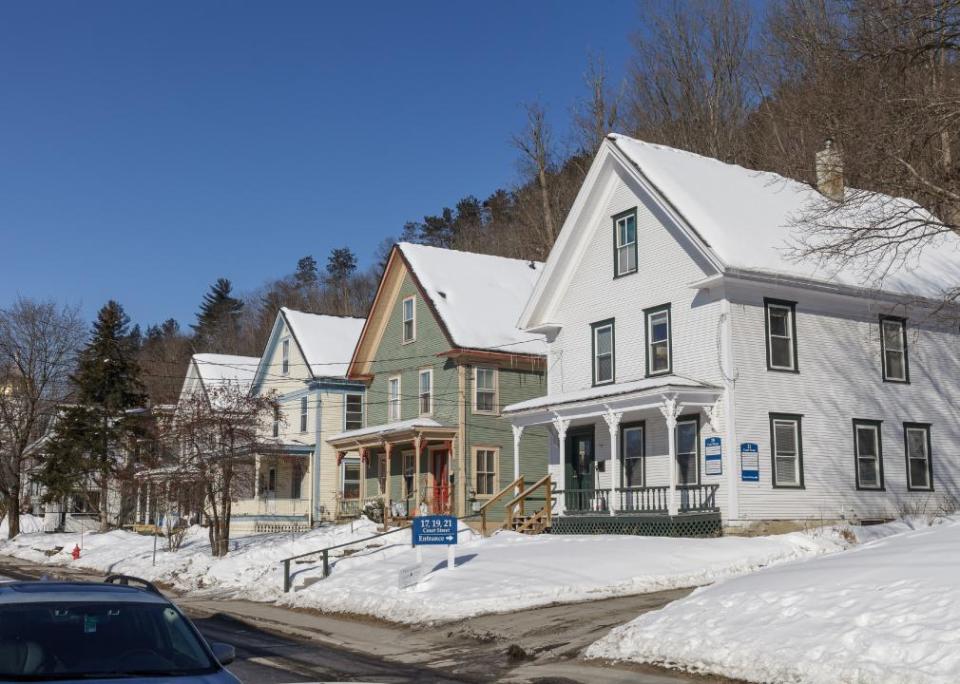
x=505, y=572
x=886, y=611
x=28, y=525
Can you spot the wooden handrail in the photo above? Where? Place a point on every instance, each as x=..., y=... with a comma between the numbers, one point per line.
x=496, y=497
x=522, y=496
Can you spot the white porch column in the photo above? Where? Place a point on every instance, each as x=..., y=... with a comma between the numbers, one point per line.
x=136, y=515
x=517, y=433
x=670, y=410
x=613, y=424
x=561, y=426
x=417, y=443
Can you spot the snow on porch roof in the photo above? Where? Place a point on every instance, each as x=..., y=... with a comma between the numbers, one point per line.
x=747, y=218
x=386, y=429
x=607, y=392
x=478, y=297
x=327, y=342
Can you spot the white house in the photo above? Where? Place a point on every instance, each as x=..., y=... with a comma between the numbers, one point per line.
x=698, y=371
x=301, y=482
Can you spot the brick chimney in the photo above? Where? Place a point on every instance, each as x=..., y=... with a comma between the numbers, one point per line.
x=829, y=164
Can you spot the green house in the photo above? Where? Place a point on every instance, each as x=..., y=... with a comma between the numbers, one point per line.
x=441, y=355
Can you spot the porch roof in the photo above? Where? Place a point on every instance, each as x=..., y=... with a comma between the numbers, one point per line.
x=617, y=396
x=401, y=430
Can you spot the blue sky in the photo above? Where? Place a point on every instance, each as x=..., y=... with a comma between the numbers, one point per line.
x=148, y=148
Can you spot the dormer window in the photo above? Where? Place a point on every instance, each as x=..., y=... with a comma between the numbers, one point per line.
x=625, y=243
x=409, y=319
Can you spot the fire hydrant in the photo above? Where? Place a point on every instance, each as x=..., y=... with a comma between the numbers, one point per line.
x=76, y=552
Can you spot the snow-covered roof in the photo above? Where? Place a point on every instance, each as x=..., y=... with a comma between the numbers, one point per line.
x=225, y=369
x=477, y=296
x=748, y=218
x=386, y=429
x=607, y=391
x=327, y=342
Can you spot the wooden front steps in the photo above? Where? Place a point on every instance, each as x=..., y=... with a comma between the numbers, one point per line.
x=517, y=519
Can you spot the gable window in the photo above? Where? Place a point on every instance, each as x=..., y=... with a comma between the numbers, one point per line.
x=409, y=319
x=659, y=344
x=393, y=399
x=625, y=242
x=353, y=412
x=786, y=450
x=276, y=421
x=688, y=451
x=485, y=467
x=285, y=357
x=781, y=327
x=303, y=414
x=893, y=349
x=350, y=487
x=916, y=437
x=603, y=352
x=425, y=393
x=485, y=382
x=869, y=453
x=631, y=452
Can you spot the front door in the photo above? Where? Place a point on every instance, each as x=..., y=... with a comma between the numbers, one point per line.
x=580, y=470
x=441, y=482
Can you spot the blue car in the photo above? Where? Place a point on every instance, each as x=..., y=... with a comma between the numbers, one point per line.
x=123, y=629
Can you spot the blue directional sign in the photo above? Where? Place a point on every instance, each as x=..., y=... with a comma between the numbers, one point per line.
x=749, y=462
x=434, y=529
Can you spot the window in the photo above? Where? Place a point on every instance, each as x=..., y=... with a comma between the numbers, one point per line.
x=351, y=479
x=893, y=349
x=916, y=438
x=296, y=481
x=869, y=454
x=353, y=412
x=631, y=452
x=485, y=466
x=303, y=414
x=485, y=390
x=382, y=473
x=285, y=357
x=408, y=473
x=409, y=319
x=625, y=242
x=786, y=450
x=688, y=451
x=271, y=480
x=781, y=327
x=276, y=421
x=425, y=393
x=393, y=399
x=659, y=349
x=603, y=352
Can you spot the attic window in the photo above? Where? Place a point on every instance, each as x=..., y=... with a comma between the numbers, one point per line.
x=285, y=357
x=625, y=243
x=409, y=316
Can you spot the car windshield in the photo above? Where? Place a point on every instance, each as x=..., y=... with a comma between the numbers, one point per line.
x=50, y=641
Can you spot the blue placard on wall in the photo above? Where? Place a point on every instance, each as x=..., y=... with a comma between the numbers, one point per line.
x=434, y=529
x=749, y=462
x=712, y=456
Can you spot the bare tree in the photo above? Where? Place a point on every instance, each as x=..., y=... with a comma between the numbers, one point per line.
x=39, y=342
x=599, y=113
x=218, y=434
x=537, y=160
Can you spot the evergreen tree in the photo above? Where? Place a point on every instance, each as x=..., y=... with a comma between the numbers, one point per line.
x=340, y=267
x=218, y=322
x=92, y=435
x=306, y=275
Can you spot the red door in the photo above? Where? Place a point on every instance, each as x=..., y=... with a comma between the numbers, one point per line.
x=441, y=482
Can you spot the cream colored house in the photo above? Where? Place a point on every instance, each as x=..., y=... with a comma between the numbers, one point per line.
x=300, y=481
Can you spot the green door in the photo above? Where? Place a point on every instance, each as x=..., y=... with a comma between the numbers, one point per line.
x=580, y=470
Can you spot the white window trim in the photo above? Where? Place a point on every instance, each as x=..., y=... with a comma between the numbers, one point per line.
x=413, y=318
x=878, y=457
x=496, y=391
x=696, y=450
x=596, y=355
x=304, y=415
x=642, y=428
x=363, y=410
x=474, y=471
x=275, y=427
x=390, y=400
x=420, y=374
x=789, y=336
x=798, y=482
x=343, y=476
x=285, y=356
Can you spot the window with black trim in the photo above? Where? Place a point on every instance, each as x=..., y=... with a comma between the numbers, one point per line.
x=916, y=446
x=688, y=451
x=786, y=450
x=781, y=328
x=868, y=450
x=632, y=447
x=893, y=349
x=659, y=342
x=625, y=243
x=603, y=352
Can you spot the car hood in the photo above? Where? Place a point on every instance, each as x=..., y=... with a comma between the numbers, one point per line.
x=222, y=677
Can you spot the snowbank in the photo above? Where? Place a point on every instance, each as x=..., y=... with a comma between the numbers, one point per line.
x=29, y=524
x=502, y=573
x=886, y=611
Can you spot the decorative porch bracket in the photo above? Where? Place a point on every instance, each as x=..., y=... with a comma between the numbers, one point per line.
x=713, y=415
x=612, y=419
x=670, y=410
x=561, y=425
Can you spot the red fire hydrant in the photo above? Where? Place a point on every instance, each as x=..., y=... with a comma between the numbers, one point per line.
x=76, y=552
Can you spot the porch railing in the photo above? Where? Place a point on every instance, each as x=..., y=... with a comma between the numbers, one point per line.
x=585, y=500
x=643, y=499
x=690, y=498
x=702, y=497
